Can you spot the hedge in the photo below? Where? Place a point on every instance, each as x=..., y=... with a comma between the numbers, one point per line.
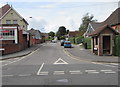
x=117, y=45
x=88, y=41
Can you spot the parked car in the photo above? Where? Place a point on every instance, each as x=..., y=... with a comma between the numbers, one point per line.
x=54, y=41
x=67, y=44
x=62, y=42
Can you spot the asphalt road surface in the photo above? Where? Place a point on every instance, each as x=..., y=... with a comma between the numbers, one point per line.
x=52, y=65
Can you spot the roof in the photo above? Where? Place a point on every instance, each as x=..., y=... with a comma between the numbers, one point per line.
x=5, y=9
x=75, y=33
x=33, y=31
x=100, y=29
x=95, y=25
x=113, y=19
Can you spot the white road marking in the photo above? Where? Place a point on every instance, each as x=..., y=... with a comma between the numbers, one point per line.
x=58, y=72
x=90, y=70
x=58, y=61
x=40, y=68
x=103, y=64
x=62, y=80
x=20, y=58
x=25, y=75
x=105, y=70
x=77, y=71
x=110, y=72
x=43, y=73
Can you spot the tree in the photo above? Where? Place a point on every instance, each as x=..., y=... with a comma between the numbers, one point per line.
x=62, y=30
x=67, y=31
x=85, y=21
x=52, y=34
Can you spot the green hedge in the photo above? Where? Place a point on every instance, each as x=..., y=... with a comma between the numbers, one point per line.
x=71, y=39
x=78, y=40
x=117, y=45
x=88, y=41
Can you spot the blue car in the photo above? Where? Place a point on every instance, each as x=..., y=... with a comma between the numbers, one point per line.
x=67, y=44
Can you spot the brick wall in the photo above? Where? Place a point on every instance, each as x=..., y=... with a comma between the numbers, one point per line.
x=11, y=47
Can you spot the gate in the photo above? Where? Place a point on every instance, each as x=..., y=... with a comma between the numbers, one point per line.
x=117, y=45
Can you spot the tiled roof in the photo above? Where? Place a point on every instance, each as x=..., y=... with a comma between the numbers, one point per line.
x=113, y=19
x=100, y=29
x=4, y=9
x=95, y=24
x=75, y=33
x=33, y=31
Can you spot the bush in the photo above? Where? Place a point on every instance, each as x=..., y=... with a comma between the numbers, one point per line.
x=62, y=37
x=88, y=41
x=117, y=45
x=71, y=39
x=78, y=40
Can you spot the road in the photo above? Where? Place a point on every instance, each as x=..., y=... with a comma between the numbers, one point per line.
x=52, y=65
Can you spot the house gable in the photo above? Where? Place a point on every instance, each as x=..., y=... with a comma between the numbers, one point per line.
x=13, y=15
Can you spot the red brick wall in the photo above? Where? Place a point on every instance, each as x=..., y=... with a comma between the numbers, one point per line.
x=11, y=47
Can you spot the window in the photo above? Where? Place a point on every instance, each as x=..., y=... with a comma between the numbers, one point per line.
x=15, y=22
x=8, y=21
x=7, y=33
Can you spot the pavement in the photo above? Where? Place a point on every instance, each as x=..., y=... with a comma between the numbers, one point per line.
x=21, y=53
x=86, y=54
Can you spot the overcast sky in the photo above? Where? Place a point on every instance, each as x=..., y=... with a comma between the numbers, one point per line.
x=48, y=16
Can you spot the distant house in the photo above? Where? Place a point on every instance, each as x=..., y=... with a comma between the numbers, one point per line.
x=91, y=27
x=45, y=35
x=35, y=36
x=13, y=35
x=113, y=20
x=74, y=33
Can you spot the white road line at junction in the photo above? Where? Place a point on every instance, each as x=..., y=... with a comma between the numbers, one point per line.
x=40, y=68
x=25, y=75
x=103, y=64
x=7, y=75
x=106, y=70
x=93, y=72
x=76, y=71
x=58, y=72
x=20, y=58
x=110, y=72
x=43, y=73
x=90, y=70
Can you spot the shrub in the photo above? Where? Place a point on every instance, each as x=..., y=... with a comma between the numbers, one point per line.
x=88, y=41
x=117, y=45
